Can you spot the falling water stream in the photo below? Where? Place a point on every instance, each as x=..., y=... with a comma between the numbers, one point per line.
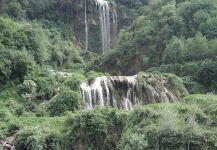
x=123, y=92
x=104, y=8
x=119, y=91
x=86, y=26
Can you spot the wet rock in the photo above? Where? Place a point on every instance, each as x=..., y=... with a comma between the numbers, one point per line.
x=7, y=144
x=127, y=91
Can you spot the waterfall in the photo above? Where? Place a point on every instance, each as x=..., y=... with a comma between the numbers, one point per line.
x=123, y=92
x=86, y=25
x=104, y=17
x=115, y=23
x=105, y=26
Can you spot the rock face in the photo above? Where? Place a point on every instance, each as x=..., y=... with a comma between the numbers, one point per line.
x=7, y=144
x=128, y=91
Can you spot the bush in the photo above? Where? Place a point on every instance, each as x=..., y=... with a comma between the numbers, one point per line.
x=28, y=102
x=177, y=84
x=4, y=114
x=41, y=110
x=28, y=87
x=202, y=75
x=99, y=129
x=203, y=101
x=73, y=82
x=15, y=9
x=66, y=100
x=39, y=133
x=134, y=141
x=92, y=75
x=12, y=129
x=192, y=86
x=14, y=65
x=19, y=111
x=30, y=140
x=46, y=86
x=163, y=126
x=207, y=75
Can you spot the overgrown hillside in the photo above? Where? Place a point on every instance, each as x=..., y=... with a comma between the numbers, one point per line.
x=169, y=44
x=186, y=26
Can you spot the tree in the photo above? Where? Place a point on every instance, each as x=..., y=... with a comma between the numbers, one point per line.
x=14, y=65
x=196, y=48
x=174, y=51
x=15, y=9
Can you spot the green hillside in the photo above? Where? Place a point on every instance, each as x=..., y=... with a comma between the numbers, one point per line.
x=43, y=63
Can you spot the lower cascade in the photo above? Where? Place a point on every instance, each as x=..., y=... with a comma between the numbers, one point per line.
x=127, y=91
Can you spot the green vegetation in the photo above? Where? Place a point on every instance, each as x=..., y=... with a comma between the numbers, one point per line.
x=191, y=123
x=42, y=64
x=167, y=32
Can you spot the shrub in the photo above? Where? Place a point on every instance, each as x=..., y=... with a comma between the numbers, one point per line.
x=38, y=133
x=28, y=103
x=28, y=87
x=99, y=129
x=203, y=101
x=14, y=65
x=177, y=84
x=206, y=75
x=29, y=139
x=74, y=81
x=162, y=126
x=19, y=111
x=15, y=9
x=134, y=141
x=46, y=86
x=202, y=74
x=12, y=129
x=92, y=75
x=66, y=100
x=41, y=110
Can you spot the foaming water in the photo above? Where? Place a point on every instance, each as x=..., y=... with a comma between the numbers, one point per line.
x=123, y=92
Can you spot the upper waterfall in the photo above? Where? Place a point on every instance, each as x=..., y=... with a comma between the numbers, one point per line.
x=86, y=25
x=127, y=91
x=104, y=18
x=105, y=9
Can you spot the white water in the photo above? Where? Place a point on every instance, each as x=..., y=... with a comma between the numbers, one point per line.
x=105, y=26
x=122, y=92
x=86, y=93
x=115, y=23
x=102, y=93
x=86, y=26
x=104, y=17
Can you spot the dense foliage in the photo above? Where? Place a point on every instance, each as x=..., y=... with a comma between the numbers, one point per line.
x=189, y=124
x=169, y=31
x=42, y=64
